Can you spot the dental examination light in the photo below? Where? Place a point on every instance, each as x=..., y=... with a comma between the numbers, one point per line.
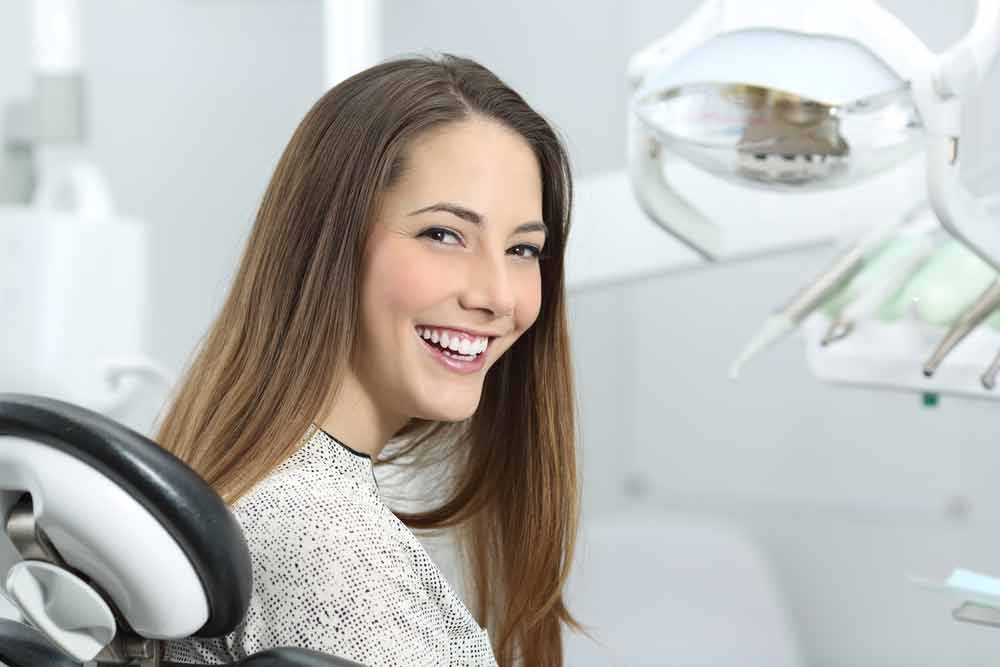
x=800, y=97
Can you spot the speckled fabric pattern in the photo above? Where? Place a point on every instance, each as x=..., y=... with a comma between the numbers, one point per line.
x=335, y=571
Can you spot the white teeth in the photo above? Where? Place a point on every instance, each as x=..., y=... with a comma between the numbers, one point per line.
x=453, y=342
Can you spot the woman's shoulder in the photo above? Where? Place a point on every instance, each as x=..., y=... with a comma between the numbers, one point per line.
x=323, y=540
x=318, y=477
x=295, y=496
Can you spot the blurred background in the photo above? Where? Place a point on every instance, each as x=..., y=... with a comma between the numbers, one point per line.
x=767, y=521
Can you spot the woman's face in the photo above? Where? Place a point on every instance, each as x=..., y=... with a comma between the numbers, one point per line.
x=451, y=260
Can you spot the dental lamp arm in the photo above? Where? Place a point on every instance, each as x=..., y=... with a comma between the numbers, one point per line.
x=967, y=62
x=959, y=70
x=960, y=212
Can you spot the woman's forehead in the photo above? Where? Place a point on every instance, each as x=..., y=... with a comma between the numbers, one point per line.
x=475, y=162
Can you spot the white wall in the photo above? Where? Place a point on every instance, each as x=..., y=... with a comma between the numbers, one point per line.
x=189, y=106
x=192, y=103
x=15, y=50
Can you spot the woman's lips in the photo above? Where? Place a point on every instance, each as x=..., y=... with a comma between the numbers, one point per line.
x=451, y=363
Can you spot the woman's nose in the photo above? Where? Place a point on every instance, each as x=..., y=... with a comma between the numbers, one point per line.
x=489, y=288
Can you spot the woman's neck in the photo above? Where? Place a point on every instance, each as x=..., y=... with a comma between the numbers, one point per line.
x=356, y=420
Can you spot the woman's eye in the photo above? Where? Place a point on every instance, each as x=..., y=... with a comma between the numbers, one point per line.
x=438, y=234
x=441, y=235
x=527, y=250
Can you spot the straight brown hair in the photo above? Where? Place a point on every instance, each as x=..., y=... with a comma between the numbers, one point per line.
x=275, y=355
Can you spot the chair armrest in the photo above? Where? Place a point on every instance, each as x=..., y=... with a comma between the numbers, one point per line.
x=295, y=657
x=23, y=646
x=279, y=657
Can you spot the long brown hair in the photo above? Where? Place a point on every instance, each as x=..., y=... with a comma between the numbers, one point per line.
x=276, y=353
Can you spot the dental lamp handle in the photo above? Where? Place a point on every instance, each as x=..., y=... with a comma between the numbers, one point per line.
x=660, y=201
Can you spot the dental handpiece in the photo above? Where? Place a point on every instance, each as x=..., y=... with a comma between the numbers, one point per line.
x=989, y=378
x=810, y=297
x=987, y=302
x=843, y=268
x=868, y=302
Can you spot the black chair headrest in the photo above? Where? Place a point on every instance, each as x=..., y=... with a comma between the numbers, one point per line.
x=188, y=509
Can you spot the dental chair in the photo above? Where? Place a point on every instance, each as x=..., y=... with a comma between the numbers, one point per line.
x=114, y=544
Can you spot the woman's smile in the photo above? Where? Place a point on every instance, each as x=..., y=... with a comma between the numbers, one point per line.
x=455, y=350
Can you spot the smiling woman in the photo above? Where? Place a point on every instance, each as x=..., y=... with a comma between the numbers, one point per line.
x=449, y=268
x=400, y=297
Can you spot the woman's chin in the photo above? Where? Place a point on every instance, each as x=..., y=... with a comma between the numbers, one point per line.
x=451, y=412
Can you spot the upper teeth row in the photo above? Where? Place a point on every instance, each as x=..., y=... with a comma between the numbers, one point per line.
x=454, y=342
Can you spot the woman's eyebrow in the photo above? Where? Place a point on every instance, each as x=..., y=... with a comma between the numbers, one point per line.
x=471, y=216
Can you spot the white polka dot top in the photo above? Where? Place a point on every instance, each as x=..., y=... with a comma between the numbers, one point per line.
x=335, y=571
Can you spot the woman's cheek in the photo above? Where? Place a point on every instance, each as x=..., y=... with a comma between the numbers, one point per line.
x=411, y=285
x=529, y=302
